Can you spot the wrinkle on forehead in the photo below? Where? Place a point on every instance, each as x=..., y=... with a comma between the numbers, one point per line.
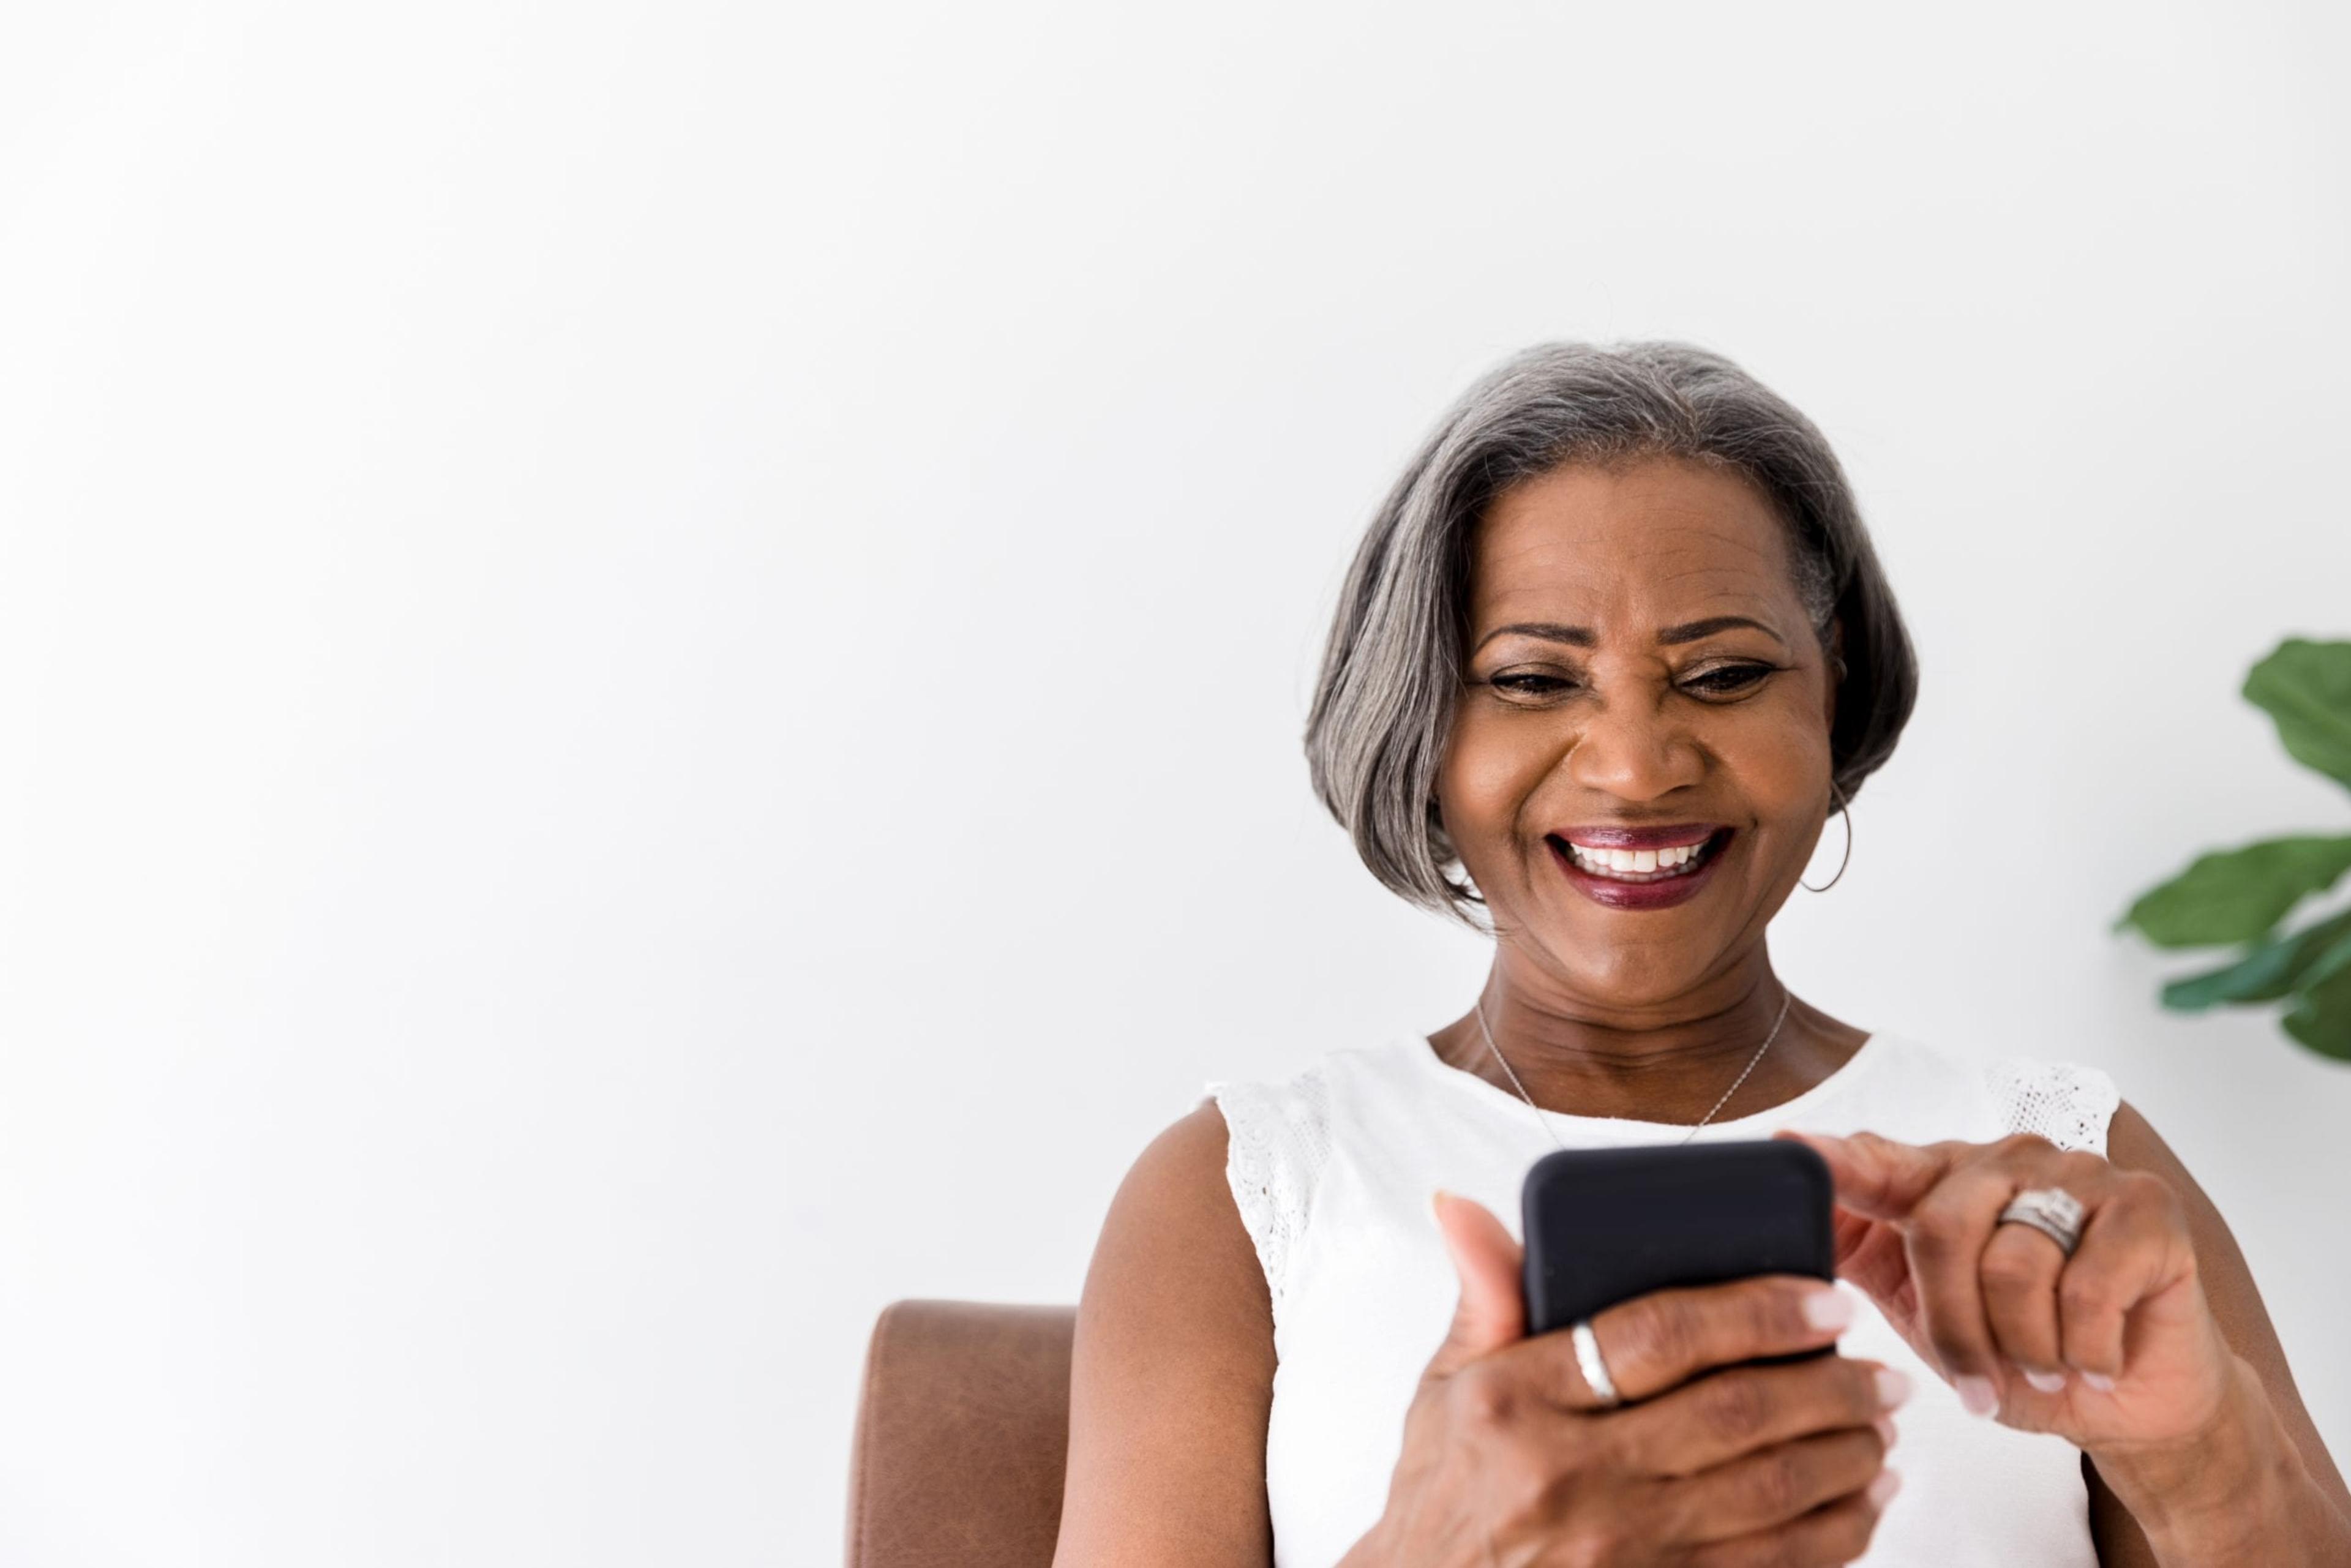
x=1585, y=536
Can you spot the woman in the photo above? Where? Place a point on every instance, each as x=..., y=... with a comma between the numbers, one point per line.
x=1612, y=651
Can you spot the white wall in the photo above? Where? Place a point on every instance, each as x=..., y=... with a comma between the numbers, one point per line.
x=651, y=658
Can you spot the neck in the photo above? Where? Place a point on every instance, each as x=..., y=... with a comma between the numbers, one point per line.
x=1667, y=1061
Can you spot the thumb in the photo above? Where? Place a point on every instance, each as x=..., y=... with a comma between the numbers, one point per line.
x=1492, y=1313
x=1878, y=1178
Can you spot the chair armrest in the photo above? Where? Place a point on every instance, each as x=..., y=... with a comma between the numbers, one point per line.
x=962, y=1432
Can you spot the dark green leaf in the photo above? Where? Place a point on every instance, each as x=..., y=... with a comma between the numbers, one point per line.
x=2321, y=1016
x=2236, y=895
x=2270, y=970
x=2327, y=965
x=2306, y=687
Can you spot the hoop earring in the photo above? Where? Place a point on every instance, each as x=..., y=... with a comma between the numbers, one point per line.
x=1844, y=808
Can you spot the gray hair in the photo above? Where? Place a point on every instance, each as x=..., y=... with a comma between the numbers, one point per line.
x=1392, y=667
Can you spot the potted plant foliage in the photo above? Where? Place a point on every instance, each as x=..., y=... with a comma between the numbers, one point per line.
x=2239, y=895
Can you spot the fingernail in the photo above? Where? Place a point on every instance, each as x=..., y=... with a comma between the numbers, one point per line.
x=1893, y=1387
x=1977, y=1394
x=2047, y=1382
x=1884, y=1425
x=1828, y=1309
x=2099, y=1381
x=1436, y=1200
x=1882, y=1486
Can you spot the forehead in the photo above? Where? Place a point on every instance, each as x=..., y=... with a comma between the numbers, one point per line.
x=1629, y=539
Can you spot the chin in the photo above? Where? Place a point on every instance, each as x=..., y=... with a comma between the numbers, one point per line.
x=1619, y=973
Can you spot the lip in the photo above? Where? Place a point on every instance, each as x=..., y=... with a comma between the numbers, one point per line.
x=1641, y=895
x=1599, y=837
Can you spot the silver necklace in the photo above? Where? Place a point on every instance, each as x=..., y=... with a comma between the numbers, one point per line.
x=1480, y=1005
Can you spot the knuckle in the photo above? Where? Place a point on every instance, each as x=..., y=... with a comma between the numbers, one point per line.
x=1935, y=1229
x=1737, y=1405
x=1776, y=1483
x=1588, y=1547
x=1597, y=1542
x=1482, y=1398
x=2084, y=1165
x=2011, y=1269
x=2030, y=1146
x=1955, y=1352
x=1598, y=1444
x=1940, y=1218
x=1523, y=1479
x=1662, y=1332
x=2159, y=1195
x=2084, y=1295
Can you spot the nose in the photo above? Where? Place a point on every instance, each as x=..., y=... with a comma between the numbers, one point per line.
x=1628, y=748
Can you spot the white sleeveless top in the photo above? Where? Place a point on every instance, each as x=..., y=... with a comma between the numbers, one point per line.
x=1332, y=1168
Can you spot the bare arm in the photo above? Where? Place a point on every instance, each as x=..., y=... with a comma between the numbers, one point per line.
x=1172, y=1373
x=2133, y=1145
x=1504, y=1452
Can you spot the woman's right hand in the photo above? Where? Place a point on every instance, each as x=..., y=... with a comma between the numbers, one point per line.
x=1509, y=1460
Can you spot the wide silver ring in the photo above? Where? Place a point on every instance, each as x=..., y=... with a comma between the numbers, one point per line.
x=1588, y=1362
x=2051, y=1210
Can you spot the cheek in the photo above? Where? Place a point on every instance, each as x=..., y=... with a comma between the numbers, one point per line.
x=1781, y=793
x=1781, y=762
x=1487, y=775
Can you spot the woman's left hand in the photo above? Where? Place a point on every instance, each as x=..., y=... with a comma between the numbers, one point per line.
x=2114, y=1345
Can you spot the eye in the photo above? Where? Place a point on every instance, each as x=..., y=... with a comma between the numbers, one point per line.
x=1724, y=679
x=1527, y=685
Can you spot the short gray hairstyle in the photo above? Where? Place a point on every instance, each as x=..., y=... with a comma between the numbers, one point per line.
x=1392, y=667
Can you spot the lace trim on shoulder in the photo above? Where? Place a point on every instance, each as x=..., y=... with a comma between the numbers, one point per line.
x=1277, y=1136
x=2067, y=1102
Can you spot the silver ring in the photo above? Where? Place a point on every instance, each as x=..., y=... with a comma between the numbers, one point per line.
x=1587, y=1361
x=2051, y=1210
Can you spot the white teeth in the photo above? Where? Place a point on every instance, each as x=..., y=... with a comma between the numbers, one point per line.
x=1634, y=865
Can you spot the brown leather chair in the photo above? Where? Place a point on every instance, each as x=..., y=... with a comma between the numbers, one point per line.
x=961, y=1434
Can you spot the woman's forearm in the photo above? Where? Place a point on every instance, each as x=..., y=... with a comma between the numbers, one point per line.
x=2237, y=1493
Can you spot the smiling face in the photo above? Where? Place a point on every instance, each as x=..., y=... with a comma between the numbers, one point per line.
x=1576, y=719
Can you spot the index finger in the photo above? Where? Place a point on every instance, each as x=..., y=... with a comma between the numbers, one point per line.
x=1879, y=1178
x=1665, y=1338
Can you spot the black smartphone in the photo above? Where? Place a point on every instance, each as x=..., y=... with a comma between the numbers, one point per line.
x=1602, y=1225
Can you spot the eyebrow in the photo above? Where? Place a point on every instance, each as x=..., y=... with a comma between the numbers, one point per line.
x=1581, y=637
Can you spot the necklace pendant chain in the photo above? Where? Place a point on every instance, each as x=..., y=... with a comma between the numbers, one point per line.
x=1544, y=1122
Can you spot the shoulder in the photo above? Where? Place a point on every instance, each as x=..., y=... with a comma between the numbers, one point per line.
x=1282, y=1133
x=1171, y=1372
x=1175, y=1240
x=1173, y=1268
x=1176, y=1188
x=1203, y=1226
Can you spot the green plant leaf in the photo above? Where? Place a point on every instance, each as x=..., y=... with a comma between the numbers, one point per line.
x=2321, y=1016
x=2236, y=895
x=2270, y=970
x=2305, y=686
